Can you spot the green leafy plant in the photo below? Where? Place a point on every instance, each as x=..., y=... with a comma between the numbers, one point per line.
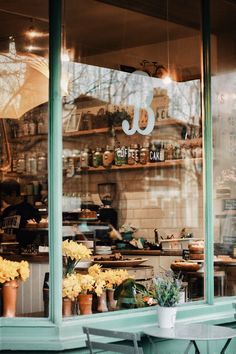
x=167, y=290
x=128, y=293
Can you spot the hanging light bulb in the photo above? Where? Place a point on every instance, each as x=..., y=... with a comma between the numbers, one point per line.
x=12, y=45
x=167, y=80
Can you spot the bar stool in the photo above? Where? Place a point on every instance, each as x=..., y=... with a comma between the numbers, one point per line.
x=193, y=277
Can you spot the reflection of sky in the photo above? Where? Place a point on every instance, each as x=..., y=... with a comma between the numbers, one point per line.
x=131, y=89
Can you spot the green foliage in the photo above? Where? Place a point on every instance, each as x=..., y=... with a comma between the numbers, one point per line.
x=167, y=291
x=128, y=294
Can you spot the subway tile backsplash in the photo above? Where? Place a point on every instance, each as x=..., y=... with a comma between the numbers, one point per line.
x=153, y=198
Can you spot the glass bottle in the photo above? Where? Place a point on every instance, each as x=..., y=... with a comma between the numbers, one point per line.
x=118, y=155
x=144, y=154
x=33, y=164
x=84, y=159
x=155, y=152
x=97, y=157
x=133, y=154
x=42, y=162
x=108, y=156
x=21, y=164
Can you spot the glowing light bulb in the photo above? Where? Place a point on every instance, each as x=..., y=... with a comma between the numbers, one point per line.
x=65, y=56
x=167, y=80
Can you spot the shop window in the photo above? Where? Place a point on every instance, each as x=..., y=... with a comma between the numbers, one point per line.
x=223, y=104
x=24, y=77
x=132, y=139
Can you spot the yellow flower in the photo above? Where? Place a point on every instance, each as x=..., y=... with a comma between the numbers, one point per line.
x=95, y=270
x=75, y=251
x=70, y=287
x=115, y=277
x=86, y=283
x=10, y=270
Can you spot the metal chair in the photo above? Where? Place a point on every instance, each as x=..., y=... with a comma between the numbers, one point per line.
x=128, y=344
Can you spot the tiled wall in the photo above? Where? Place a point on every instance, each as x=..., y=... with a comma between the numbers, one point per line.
x=164, y=198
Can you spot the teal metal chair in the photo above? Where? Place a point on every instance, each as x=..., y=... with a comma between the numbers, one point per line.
x=128, y=343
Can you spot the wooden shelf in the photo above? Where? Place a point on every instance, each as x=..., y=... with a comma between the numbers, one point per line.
x=168, y=163
x=164, y=122
x=27, y=138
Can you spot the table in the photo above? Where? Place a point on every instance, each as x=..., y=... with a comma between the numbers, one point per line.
x=193, y=333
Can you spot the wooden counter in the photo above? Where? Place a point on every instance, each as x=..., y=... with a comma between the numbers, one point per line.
x=150, y=252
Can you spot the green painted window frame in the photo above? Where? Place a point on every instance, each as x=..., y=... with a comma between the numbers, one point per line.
x=53, y=333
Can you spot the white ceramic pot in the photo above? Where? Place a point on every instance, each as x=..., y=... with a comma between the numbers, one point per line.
x=166, y=316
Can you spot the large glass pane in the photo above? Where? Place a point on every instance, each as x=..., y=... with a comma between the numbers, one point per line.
x=132, y=147
x=224, y=134
x=23, y=154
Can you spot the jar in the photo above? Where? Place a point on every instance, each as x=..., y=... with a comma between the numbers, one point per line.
x=124, y=154
x=42, y=163
x=133, y=154
x=108, y=156
x=21, y=164
x=155, y=152
x=14, y=163
x=31, y=164
x=169, y=151
x=176, y=152
x=118, y=156
x=84, y=159
x=70, y=167
x=97, y=157
x=76, y=158
x=25, y=128
x=144, y=154
x=162, y=152
x=32, y=128
x=40, y=128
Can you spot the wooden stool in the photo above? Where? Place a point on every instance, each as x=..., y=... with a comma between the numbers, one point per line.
x=219, y=276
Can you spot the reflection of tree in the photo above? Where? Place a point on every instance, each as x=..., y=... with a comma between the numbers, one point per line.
x=120, y=88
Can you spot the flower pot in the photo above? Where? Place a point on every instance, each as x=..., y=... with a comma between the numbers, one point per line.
x=102, y=302
x=111, y=302
x=66, y=306
x=9, y=296
x=85, y=304
x=166, y=316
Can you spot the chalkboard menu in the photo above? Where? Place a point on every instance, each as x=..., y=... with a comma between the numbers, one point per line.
x=229, y=204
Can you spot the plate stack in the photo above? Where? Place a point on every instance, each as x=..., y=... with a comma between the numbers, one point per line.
x=103, y=250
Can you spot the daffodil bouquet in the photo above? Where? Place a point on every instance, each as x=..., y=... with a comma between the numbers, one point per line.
x=71, y=287
x=73, y=252
x=10, y=270
x=114, y=277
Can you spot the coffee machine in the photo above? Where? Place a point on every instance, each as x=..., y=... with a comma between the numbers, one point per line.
x=107, y=213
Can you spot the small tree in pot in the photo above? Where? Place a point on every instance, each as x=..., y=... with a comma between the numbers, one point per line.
x=167, y=294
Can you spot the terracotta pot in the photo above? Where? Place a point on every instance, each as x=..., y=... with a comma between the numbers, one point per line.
x=111, y=302
x=102, y=302
x=9, y=296
x=85, y=304
x=66, y=306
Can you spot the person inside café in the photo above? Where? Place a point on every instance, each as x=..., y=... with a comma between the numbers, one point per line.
x=16, y=213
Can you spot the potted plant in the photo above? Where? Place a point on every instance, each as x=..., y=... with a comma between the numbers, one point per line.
x=89, y=283
x=126, y=293
x=167, y=294
x=10, y=275
x=70, y=291
x=113, y=278
x=72, y=253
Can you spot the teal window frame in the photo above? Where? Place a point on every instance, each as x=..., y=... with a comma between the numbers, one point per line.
x=53, y=333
